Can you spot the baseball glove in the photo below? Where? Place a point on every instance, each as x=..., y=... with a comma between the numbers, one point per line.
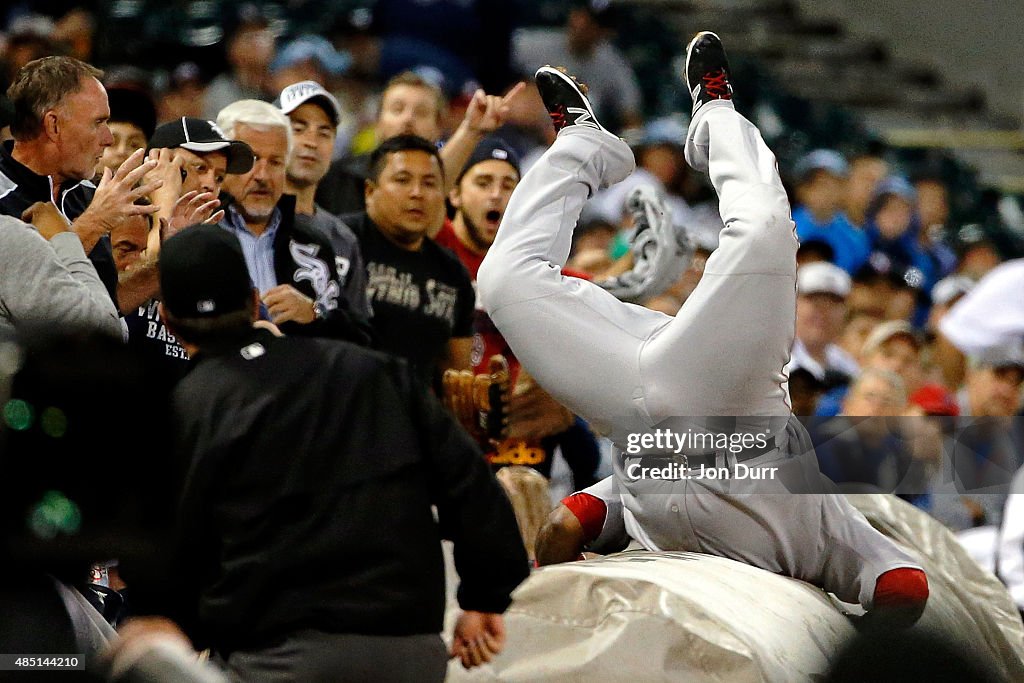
x=661, y=251
x=480, y=402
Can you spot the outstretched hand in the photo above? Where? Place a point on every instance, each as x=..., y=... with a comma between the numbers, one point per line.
x=117, y=192
x=479, y=638
x=486, y=113
x=168, y=169
x=191, y=208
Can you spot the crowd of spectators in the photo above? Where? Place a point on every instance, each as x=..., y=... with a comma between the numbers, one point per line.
x=364, y=152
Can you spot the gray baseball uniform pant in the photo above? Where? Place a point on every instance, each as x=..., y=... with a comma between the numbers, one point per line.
x=626, y=368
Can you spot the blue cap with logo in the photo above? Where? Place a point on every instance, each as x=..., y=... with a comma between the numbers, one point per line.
x=492, y=148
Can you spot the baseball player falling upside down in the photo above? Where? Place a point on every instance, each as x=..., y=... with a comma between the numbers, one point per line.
x=630, y=370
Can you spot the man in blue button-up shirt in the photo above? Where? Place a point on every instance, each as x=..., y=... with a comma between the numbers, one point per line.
x=292, y=265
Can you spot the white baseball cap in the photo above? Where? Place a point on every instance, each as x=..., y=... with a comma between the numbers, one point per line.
x=821, y=277
x=1010, y=354
x=947, y=289
x=297, y=94
x=883, y=332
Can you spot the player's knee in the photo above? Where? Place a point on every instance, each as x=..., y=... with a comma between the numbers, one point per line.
x=763, y=230
x=774, y=209
x=765, y=205
x=501, y=282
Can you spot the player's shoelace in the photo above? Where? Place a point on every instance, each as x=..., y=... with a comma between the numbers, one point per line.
x=716, y=84
x=558, y=117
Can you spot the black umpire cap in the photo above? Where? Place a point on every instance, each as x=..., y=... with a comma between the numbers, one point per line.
x=202, y=137
x=203, y=273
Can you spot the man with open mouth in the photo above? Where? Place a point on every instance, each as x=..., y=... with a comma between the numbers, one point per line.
x=537, y=422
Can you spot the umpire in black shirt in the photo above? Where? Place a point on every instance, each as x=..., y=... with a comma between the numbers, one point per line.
x=309, y=547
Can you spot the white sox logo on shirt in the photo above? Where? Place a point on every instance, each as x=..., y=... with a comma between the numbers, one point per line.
x=316, y=272
x=343, y=265
x=387, y=284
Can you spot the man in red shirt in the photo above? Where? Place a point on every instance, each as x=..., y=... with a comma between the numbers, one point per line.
x=537, y=423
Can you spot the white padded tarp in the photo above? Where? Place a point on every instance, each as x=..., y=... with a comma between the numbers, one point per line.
x=640, y=616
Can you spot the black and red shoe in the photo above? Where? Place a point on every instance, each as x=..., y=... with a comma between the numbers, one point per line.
x=707, y=70
x=565, y=99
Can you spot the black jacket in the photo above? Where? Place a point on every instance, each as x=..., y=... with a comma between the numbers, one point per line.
x=347, y=255
x=307, y=505
x=21, y=187
x=304, y=258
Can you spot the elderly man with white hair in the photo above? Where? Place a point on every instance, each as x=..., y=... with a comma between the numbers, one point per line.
x=291, y=264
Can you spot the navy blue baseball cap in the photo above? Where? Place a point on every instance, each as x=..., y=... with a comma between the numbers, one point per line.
x=133, y=106
x=491, y=148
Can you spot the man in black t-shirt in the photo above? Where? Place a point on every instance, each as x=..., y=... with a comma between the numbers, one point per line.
x=421, y=295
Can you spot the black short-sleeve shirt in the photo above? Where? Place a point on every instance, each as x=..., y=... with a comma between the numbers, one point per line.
x=420, y=299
